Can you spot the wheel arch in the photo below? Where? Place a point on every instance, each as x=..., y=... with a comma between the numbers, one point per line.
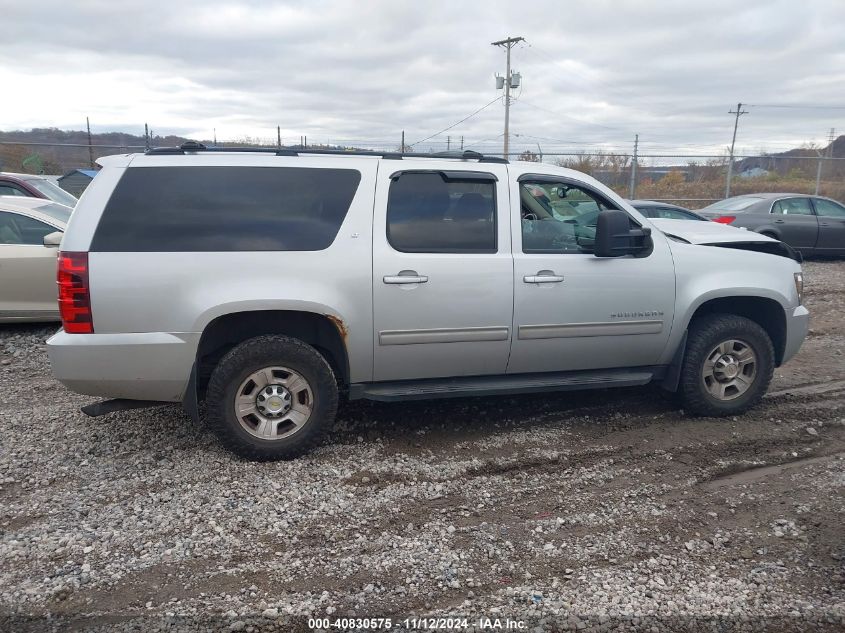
x=766, y=312
x=324, y=332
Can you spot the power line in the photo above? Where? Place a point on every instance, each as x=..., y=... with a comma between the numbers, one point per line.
x=45, y=144
x=566, y=142
x=492, y=138
x=577, y=120
x=796, y=106
x=624, y=95
x=446, y=129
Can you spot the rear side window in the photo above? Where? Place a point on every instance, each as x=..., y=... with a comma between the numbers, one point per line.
x=792, y=206
x=166, y=209
x=733, y=204
x=9, y=190
x=432, y=212
x=20, y=229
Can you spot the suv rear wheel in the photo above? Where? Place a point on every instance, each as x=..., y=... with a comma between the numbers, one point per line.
x=270, y=397
x=727, y=367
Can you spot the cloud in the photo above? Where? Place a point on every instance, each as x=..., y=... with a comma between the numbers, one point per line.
x=594, y=73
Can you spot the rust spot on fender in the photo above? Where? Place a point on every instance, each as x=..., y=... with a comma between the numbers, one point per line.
x=340, y=325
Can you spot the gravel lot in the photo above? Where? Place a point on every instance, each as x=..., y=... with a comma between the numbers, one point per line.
x=598, y=511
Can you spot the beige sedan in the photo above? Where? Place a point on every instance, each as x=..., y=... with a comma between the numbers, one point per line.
x=27, y=265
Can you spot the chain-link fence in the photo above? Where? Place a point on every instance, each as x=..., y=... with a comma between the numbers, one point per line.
x=692, y=181
x=696, y=181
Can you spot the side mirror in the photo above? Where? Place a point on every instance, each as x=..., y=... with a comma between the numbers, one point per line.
x=52, y=240
x=617, y=236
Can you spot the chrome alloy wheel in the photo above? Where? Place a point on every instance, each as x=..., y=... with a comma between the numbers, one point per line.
x=729, y=369
x=273, y=403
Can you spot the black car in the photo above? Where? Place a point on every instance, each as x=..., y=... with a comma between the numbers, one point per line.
x=649, y=208
x=812, y=225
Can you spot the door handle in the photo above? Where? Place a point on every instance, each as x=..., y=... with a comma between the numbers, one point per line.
x=779, y=221
x=543, y=277
x=823, y=224
x=406, y=277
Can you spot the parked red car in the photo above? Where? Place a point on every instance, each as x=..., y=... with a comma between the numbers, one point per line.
x=32, y=186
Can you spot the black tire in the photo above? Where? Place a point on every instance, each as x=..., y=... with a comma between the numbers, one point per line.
x=707, y=332
x=256, y=354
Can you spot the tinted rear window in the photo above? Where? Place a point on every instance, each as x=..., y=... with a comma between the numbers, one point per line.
x=56, y=211
x=732, y=204
x=159, y=209
x=428, y=213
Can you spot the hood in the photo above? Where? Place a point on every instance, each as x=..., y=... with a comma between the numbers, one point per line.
x=707, y=232
x=715, y=234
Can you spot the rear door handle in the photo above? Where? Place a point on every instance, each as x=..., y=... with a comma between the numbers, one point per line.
x=779, y=221
x=543, y=277
x=406, y=277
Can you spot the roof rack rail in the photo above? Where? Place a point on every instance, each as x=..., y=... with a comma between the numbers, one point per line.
x=194, y=146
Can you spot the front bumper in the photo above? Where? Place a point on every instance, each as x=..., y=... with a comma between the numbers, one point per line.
x=797, y=326
x=138, y=366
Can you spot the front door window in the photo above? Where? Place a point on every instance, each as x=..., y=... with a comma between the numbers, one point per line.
x=559, y=217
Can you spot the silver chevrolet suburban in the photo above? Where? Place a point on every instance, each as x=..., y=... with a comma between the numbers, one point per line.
x=269, y=283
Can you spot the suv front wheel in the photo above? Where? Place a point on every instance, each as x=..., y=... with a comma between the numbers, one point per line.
x=270, y=397
x=727, y=367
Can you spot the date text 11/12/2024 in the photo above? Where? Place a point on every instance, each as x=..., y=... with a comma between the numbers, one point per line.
x=421, y=623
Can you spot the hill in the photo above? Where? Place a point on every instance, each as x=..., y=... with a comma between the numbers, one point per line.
x=54, y=151
x=57, y=151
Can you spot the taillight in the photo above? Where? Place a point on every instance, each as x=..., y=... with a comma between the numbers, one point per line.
x=74, y=298
x=725, y=219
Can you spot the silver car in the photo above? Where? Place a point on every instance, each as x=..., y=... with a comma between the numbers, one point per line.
x=27, y=263
x=270, y=284
x=812, y=225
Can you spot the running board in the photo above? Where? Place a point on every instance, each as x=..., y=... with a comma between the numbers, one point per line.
x=103, y=407
x=470, y=386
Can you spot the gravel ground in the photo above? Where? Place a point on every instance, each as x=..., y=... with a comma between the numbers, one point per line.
x=597, y=511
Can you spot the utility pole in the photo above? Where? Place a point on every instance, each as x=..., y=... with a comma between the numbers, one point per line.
x=540, y=151
x=508, y=44
x=90, y=148
x=821, y=159
x=215, y=135
x=448, y=143
x=739, y=112
x=632, y=189
x=462, y=142
x=402, y=146
x=146, y=136
x=279, y=136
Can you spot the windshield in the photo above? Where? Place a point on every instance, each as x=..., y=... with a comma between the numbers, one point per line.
x=732, y=204
x=56, y=211
x=54, y=192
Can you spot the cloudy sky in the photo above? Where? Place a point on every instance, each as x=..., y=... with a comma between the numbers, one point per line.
x=359, y=72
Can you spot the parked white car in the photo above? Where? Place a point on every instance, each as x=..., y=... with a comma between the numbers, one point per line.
x=27, y=260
